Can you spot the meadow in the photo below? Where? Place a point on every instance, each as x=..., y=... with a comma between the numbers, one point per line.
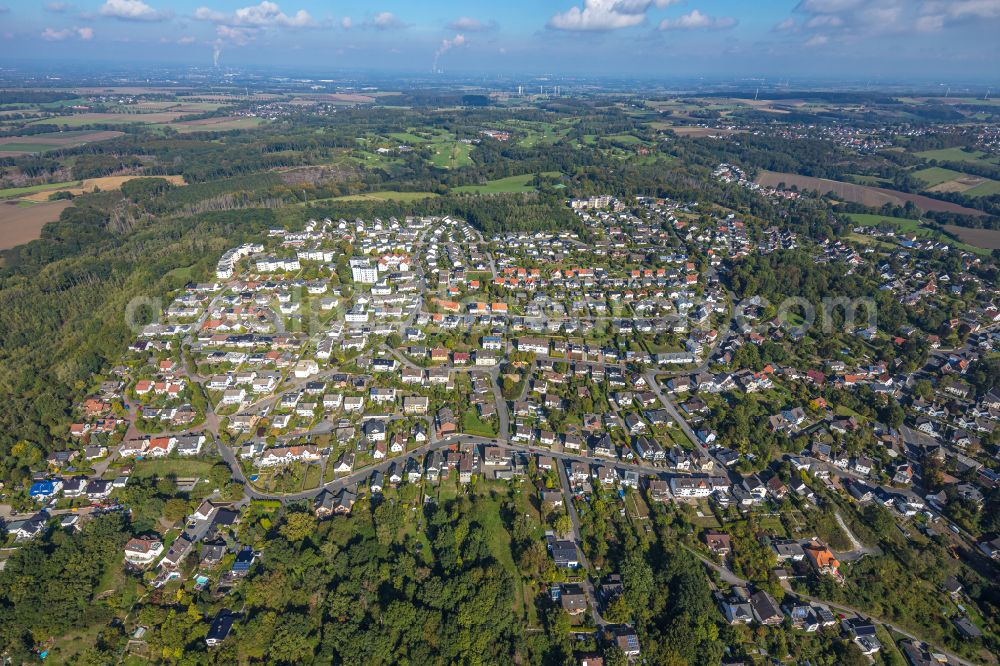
x=958, y=155
x=509, y=185
x=984, y=189
x=12, y=146
x=936, y=175
x=970, y=242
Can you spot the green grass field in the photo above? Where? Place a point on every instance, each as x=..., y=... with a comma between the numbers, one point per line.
x=957, y=155
x=29, y=147
x=624, y=138
x=936, y=175
x=511, y=184
x=473, y=425
x=905, y=225
x=12, y=192
x=868, y=180
x=407, y=137
x=80, y=121
x=986, y=189
x=196, y=106
x=486, y=512
x=185, y=467
x=180, y=274
x=451, y=155
x=314, y=476
x=908, y=226
x=230, y=124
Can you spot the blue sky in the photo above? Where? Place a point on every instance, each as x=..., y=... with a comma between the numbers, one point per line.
x=831, y=39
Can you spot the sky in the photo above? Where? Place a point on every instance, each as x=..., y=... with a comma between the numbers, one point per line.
x=883, y=40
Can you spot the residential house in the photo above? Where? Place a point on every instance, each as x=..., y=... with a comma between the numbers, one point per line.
x=143, y=551
x=765, y=608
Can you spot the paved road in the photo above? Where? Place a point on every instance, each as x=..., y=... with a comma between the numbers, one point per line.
x=587, y=583
x=433, y=444
x=732, y=579
x=679, y=418
x=503, y=411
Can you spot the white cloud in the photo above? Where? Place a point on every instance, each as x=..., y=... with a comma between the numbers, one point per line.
x=265, y=15
x=828, y=6
x=695, y=20
x=238, y=36
x=598, y=15
x=930, y=23
x=825, y=21
x=788, y=24
x=58, y=7
x=206, y=14
x=268, y=13
x=469, y=24
x=972, y=8
x=52, y=35
x=346, y=23
x=386, y=21
x=860, y=19
x=131, y=10
x=187, y=39
x=817, y=40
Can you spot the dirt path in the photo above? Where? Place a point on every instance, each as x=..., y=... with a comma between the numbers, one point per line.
x=855, y=544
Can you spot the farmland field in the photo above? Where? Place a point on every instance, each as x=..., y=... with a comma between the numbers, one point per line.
x=963, y=184
x=80, y=119
x=18, y=149
x=20, y=224
x=863, y=194
x=104, y=184
x=868, y=180
x=984, y=189
x=14, y=192
x=681, y=130
x=939, y=179
x=12, y=146
x=985, y=238
x=63, y=138
x=220, y=124
x=957, y=155
x=388, y=195
x=936, y=175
